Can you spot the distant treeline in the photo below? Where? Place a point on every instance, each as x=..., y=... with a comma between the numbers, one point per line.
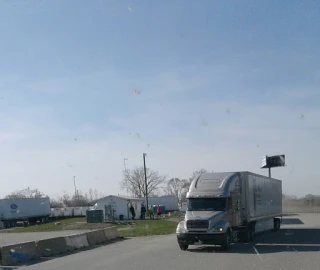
x=308, y=203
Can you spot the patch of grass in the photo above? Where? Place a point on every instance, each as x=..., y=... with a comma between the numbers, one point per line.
x=57, y=225
x=148, y=227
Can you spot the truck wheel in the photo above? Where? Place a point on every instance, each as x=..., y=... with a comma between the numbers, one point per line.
x=183, y=246
x=227, y=241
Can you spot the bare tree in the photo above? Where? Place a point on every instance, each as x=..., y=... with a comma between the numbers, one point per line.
x=54, y=203
x=196, y=173
x=175, y=186
x=76, y=200
x=25, y=193
x=187, y=183
x=134, y=181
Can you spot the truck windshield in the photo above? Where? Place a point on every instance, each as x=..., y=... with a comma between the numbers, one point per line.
x=206, y=204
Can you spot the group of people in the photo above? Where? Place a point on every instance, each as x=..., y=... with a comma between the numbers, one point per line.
x=143, y=211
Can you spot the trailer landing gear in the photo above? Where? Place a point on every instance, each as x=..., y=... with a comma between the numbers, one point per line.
x=276, y=224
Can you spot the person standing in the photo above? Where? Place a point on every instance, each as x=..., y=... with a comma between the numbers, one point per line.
x=158, y=211
x=132, y=212
x=143, y=211
x=151, y=212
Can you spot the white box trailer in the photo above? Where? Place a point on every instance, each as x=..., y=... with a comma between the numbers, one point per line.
x=77, y=211
x=68, y=212
x=57, y=212
x=171, y=203
x=226, y=207
x=26, y=209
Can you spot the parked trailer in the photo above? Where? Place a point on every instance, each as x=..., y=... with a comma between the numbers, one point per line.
x=27, y=209
x=68, y=212
x=171, y=203
x=223, y=208
x=65, y=212
x=77, y=211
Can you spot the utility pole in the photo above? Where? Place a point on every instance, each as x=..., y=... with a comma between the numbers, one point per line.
x=145, y=177
x=125, y=173
x=125, y=165
x=75, y=189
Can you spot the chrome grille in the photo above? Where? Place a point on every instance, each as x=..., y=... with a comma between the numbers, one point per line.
x=197, y=224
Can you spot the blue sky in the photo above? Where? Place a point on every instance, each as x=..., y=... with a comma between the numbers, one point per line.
x=195, y=84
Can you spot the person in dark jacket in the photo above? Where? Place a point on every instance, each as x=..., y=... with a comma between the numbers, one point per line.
x=132, y=211
x=143, y=211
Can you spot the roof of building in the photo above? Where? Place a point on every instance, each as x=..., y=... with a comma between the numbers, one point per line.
x=124, y=198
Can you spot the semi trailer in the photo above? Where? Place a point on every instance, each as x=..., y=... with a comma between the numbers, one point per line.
x=26, y=209
x=223, y=208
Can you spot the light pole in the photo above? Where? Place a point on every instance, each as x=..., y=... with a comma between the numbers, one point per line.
x=145, y=177
x=125, y=165
x=75, y=189
x=125, y=173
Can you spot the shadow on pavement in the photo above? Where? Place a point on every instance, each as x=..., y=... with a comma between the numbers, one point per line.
x=289, y=214
x=285, y=240
x=292, y=221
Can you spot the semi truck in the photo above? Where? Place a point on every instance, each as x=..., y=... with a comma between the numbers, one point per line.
x=24, y=209
x=223, y=208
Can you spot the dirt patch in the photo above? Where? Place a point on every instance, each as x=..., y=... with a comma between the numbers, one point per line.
x=86, y=226
x=93, y=226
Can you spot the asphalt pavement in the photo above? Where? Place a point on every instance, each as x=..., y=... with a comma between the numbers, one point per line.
x=296, y=246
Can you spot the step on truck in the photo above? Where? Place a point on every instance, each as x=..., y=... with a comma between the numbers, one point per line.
x=223, y=208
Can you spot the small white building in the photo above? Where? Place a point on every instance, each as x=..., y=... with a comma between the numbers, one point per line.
x=115, y=206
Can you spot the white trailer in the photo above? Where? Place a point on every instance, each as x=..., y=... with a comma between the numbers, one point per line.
x=171, y=203
x=57, y=212
x=226, y=207
x=68, y=212
x=26, y=209
x=77, y=211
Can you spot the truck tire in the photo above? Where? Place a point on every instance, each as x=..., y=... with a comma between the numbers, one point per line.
x=227, y=241
x=183, y=246
x=276, y=224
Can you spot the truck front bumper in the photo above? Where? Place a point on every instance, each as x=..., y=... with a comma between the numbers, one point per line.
x=202, y=238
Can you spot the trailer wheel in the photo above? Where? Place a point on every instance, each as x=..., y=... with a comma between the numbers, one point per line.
x=227, y=241
x=183, y=246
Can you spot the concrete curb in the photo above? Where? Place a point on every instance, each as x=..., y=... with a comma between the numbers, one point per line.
x=111, y=233
x=12, y=255
x=96, y=237
x=19, y=253
x=52, y=246
x=77, y=241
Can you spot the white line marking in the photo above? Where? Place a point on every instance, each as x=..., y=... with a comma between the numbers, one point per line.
x=288, y=245
x=257, y=252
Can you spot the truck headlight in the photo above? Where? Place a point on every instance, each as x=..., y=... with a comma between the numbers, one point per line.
x=181, y=227
x=218, y=229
